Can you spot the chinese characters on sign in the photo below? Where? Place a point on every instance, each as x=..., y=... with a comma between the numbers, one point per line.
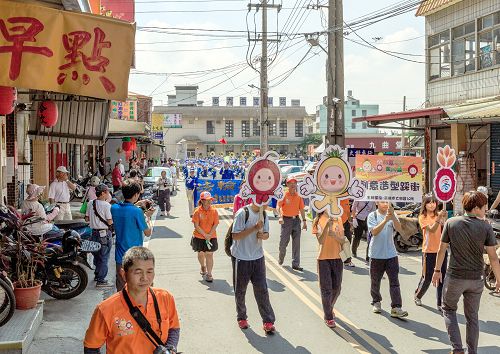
x=172, y=120
x=124, y=110
x=390, y=178
x=223, y=191
x=61, y=51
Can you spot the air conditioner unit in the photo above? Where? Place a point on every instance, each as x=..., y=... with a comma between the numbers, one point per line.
x=218, y=121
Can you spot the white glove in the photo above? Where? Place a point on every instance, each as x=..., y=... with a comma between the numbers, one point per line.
x=278, y=193
x=245, y=191
x=307, y=187
x=356, y=189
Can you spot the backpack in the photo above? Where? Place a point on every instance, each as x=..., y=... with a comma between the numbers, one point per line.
x=228, y=240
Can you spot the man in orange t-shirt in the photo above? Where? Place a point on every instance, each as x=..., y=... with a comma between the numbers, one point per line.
x=289, y=209
x=113, y=324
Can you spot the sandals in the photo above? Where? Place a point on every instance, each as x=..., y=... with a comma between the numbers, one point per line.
x=209, y=278
x=203, y=271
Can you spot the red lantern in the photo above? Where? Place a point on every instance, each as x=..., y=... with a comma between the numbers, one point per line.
x=127, y=144
x=134, y=143
x=8, y=97
x=48, y=113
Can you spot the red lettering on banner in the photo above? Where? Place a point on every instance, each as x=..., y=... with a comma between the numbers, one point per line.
x=73, y=43
x=26, y=32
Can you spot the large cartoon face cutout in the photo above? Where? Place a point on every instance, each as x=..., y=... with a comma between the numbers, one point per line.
x=264, y=178
x=332, y=182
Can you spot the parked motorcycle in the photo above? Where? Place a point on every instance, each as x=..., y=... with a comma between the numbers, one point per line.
x=7, y=299
x=412, y=235
x=81, y=186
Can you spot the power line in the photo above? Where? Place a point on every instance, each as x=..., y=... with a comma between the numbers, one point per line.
x=187, y=50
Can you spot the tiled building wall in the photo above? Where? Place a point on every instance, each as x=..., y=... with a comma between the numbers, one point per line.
x=473, y=85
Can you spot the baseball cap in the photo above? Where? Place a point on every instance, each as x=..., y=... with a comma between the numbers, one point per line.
x=62, y=169
x=206, y=196
x=291, y=179
x=101, y=188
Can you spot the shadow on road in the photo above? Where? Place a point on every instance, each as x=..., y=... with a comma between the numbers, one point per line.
x=380, y=339
x=306, y=275
x=275, y=286
x=165, y=232
x=490, y=327
x=275, y=343
x=219, y=286
x=358, y=270
x=419, y=329
x=404, y=271
x=489, y=349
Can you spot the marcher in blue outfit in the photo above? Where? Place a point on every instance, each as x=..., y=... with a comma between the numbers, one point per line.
x=226, y=172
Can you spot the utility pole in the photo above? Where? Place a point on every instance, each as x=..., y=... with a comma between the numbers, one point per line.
x=402, y=130
x=264, y=88
x=335, y=76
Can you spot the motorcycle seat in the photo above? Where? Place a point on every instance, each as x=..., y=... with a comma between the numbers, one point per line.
x=71, y=224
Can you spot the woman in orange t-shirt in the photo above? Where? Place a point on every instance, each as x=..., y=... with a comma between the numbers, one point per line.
x=204, y=240
x=431, y=222
x=330, y=235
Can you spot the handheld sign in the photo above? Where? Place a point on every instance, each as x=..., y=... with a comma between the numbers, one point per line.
x=445, y=180
x=331, y=183
x=264, y=180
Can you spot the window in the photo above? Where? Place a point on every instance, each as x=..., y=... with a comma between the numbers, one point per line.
x=245, y=128
x=210, y=127
x=299, y=129
x=273, y=128
x=353, y=113
x=364, y=113
x=489, y=40
x=439, y=55
x=364, y=125
x=229, y=131
x=463, y=48
x=283, y=128
x=256, y=128
x=353, y=125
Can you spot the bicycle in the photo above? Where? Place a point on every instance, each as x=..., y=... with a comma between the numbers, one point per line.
x=7, y=299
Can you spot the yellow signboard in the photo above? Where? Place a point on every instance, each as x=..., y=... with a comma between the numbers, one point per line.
x=157, y=122
x=54, y=50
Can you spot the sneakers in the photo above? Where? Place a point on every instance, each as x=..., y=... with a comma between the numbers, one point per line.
x=397, y=312
x=377, y=307
x=349, y=264
x=280, y=262
x=418, y=301
x=330, y=323
x=103, y=284
x=269, y=328
x=243, y=324
x=300, y=269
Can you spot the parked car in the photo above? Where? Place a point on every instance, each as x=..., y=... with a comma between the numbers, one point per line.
x=288, y=170
x=300, y=175
x=152, y=175
x=293, y=162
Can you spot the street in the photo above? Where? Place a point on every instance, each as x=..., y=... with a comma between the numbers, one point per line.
x=208, y=316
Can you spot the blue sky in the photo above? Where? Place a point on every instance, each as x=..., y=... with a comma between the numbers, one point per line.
x=374, y=77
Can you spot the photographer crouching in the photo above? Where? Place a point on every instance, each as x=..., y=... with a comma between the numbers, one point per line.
x=138, y=319
x=131, y=220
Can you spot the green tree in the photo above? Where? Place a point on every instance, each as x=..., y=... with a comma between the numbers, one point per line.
x=311, y=139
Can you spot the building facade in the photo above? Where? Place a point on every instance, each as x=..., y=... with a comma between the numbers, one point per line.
x=191, y=129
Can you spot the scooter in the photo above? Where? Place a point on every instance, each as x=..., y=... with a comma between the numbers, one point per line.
x=412, y=237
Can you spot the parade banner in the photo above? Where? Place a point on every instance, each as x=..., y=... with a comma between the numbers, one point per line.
x=390, y=178
x=223, y=190
x=331, y=183
x=445, y=180
x=264, y=180
x=62, y=51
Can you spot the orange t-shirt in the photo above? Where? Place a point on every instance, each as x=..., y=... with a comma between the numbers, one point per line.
x=431, y=240
x=113, y=324
x=344, y=204
x=330, y=249
x=206, y=219
x=291, y=205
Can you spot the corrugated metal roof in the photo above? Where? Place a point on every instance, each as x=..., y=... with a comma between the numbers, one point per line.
x=487, y=108
x=428, y=7
x=82, y=120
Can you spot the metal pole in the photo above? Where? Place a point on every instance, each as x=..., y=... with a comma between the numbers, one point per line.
x=264, y=144
x=402, y=131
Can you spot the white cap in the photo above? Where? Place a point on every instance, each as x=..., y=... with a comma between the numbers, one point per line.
x=62, y=169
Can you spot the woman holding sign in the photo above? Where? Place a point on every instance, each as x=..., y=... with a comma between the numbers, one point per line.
x=431, y=222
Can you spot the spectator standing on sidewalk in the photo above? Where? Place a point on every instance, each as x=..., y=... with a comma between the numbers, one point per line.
x=173, y=171
x=130, y=223
x=247, y=256
x=121, y=167
x=359, y=213
x=467, y=236
x=163, y=184
x=60, y=193
x=383, y=257
x=290, y=210
x=117, y=177
x=204, y=240
x=191, y=182
x=330, y=237
x=431, y=222
x=100, y=219
x=113, y=324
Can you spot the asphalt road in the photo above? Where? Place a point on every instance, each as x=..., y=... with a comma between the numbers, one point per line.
x=208, y=315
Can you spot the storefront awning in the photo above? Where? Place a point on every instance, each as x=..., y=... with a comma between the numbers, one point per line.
x=122, y=128
x=82, y=120
x=485, y=109
x=400, y=116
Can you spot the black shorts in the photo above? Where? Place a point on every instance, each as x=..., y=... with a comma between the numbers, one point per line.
x=200, y=245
